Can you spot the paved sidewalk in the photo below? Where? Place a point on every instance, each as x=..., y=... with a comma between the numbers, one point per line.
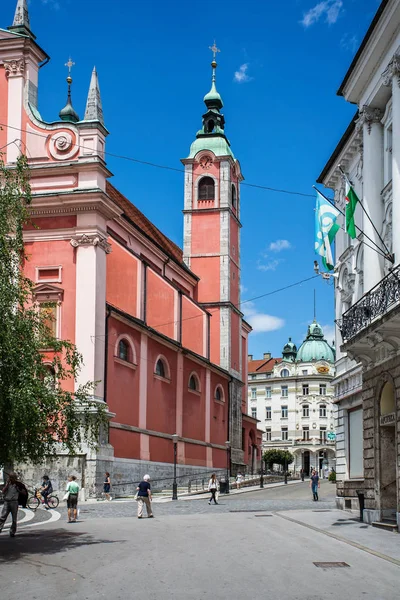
x=346, y=527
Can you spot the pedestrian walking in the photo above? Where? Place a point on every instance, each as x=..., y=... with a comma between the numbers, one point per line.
x=72, y=490
x=144, y=497
x=314, y=484
x=10, y=495
x=107, y=486
x=302, y=474
x=239, y=480
x=213, y=487
x=45, y=490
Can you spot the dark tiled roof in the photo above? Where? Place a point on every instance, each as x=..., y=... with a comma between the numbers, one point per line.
x=144, y=224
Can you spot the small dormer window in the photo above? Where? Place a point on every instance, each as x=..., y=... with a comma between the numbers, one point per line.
x=206, y=188
x=285, y=373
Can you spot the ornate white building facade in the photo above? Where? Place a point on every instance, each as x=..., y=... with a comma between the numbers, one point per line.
x=292, y=397
x=367, y=289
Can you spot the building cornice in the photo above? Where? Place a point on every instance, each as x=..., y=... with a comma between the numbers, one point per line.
x=344, y=152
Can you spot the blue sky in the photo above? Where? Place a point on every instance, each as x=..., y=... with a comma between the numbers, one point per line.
x=279, y=68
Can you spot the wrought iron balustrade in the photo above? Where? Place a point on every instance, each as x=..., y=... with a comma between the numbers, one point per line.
x=373, y=304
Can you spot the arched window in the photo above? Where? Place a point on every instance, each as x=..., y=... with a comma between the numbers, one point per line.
x=233, y=196
x=285, y=373
x=206, y=188
x=160, y=368
x=194, y=383
x=123, y=350
x=219, y=393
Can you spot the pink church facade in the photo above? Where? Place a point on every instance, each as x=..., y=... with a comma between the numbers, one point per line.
x=159, y=328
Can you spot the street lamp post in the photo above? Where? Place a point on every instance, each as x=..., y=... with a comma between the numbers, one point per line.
x=262, y=471
x=228, y=465
x=175, y=439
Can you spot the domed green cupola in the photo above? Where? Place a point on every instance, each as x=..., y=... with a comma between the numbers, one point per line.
x=212, y=135
x=289, y=352
x=315, y=347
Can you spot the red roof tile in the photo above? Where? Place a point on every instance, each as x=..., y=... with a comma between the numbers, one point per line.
x=144, y=223
x=262, y=366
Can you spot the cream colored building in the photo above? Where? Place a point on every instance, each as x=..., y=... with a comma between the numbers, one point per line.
x=292, y=397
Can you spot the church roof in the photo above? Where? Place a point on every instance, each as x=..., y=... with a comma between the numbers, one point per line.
x=144, y=224
x=263, y=366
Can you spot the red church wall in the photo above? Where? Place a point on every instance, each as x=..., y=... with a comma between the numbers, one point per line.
x=244, y=373
x=160, y=305
x=161, y=450
x=205, y=233
x=192, y=326
x=219, y=411
x=126, y=443
x=194, y=404
x=161, y=394
x=4, y=106
x=215, y=327
x=66, y=222
x=123, y=379
x=195, y=454
x=122, y=279
x=208, y=270
x=235, y=341
x=219, y=458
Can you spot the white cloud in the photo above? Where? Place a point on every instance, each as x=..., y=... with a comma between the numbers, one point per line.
x=243, y=289
x=52, y=3
x=280, y=245
x=271, y=265
x=327, y=9
x=329, y=333
x=349, y=42
x=241, y=75
x=261, y=322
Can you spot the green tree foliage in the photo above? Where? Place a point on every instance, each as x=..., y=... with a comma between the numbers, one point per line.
x=332, y=476
x=38, y=416
x=277, y=457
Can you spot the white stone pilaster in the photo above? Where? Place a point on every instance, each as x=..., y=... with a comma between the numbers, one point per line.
x=224, y=256
x=225, y=184
x=188, y=187
x=370, y=119
x=225, y=337
x=391, y=77
x=15, y=71
x=90, y=307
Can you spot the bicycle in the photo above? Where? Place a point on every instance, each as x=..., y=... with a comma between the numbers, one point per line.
x=34, y=501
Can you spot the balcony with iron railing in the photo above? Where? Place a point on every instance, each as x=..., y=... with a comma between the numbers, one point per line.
x=374, y=304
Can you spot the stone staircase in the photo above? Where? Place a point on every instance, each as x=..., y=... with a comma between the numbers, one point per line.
x=387, y=524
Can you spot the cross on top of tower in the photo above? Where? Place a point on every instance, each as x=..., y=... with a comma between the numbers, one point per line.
x=69, y=64
x=214, y=49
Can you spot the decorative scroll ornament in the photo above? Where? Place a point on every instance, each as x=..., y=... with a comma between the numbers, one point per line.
x=391, y=71
x=14, y=68
x=368, y=116
x=91, y=240
x=62, y=145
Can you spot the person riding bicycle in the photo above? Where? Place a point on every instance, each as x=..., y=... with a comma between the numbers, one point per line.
x=46, y=489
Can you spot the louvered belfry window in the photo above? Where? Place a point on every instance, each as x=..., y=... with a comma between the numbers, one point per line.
x=206, y=188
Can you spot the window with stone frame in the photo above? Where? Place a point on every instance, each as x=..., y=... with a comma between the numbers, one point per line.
x=253, y=393
x=123, y=350
x=322, y=435
x=268, y=392
x=160, y=368
x=322, y=389
x=284, y=391
x=306, y=433
x=254, y=412
x=268, y=413
x=49, y=302
x=284, y=412
x=306, y=410
x=305, y=389
x=285, y=434
x=206, y=188
x=268, y=434
x=322, y=410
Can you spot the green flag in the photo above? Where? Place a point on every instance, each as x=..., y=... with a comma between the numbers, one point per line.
x=351, y=203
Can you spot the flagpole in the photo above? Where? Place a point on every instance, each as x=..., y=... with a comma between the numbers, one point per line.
x=367, y=215
x=377, y=249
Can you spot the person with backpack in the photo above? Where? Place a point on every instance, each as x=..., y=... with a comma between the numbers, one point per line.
x=10, y=494
x=45, y=490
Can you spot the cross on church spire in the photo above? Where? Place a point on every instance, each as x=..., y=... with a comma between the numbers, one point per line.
x=69, y=64
x=214, y=50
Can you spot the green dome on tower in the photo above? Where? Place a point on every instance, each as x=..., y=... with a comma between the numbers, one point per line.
x=289, y=351
x=315, y=346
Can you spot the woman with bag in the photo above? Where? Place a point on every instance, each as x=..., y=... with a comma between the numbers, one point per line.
x=107, y=486
x=71, y=496
x=213, y=487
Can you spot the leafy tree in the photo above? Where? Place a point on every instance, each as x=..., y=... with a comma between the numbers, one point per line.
x=277, y=457
x=38, y=415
